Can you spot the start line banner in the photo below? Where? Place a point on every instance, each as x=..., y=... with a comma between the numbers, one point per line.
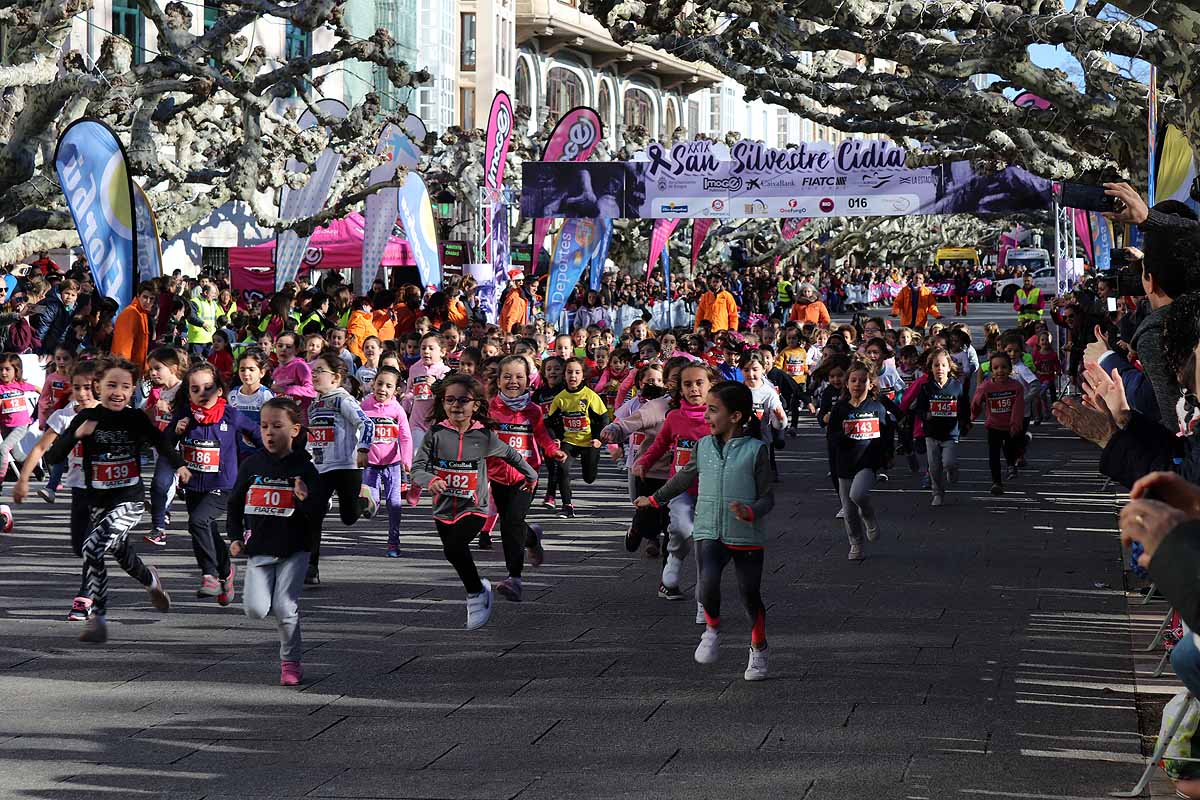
x=858, y=178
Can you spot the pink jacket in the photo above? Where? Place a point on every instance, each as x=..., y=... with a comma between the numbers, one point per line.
x=640, y=428
x=682, y=430
x=14, y=408
x=393, y=441
x=910, y=394
x=294, y=378
x=418, y=394
x=56, y=392
x=523, y=431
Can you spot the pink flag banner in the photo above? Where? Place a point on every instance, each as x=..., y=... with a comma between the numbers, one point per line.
x=1084, y=232
x=499, y=137
x=1008, y=241
x=400, y=148
x=663, y=228
x=699, y=233
x=574, y=138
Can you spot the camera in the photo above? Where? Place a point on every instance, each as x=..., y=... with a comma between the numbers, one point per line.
x=1128, y=280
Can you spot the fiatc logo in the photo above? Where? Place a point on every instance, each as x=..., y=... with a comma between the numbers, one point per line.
x=826, y=205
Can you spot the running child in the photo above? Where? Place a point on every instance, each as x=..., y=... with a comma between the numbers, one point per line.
x=16, y=414
x=553, y=371
x=579, y=414
x=858, y=430
x=793, y=359
x=422, y=376
x=112, y=434
x=1047, y=367
x=1003, y=398
x=935, y=401
x=56, y=393
x=292, y=377
x=250, y=395
x=339, y=437
x=391, y=453
x=273, y=520
x=164, y=367
x=452, y=464
x=82, y=396
x=732, y=476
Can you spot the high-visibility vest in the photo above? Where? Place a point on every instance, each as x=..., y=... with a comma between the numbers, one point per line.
x=1029, y=298
x=207, y=310
x=781, y=291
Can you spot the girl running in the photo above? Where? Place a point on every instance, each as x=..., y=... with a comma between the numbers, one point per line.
x=682, y=428
x=1048, y=367
x=391, y=451
x=733, y=472
x=165, y=368
x=858, y=429
x=422, y=377
x=372, y=349
x=552, y=371
x=112, y=434
x=831, y=381
x=339, y=437
x=251, y=395
x=452, y=464
x=208, y=430
x=935, y=401
x=56, y=393
x=579, y=414
x=793, y=359
x=1005, y=406
x=273, y=521
x=520, y=425
x=82, y=396
x=15, y=418
x=292, y=377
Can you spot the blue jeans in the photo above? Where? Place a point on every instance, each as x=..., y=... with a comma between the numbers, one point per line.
x=1185, y=660
x=162, y=493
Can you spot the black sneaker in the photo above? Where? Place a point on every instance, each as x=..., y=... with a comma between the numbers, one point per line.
x=313, y=576
x=568, y=511
x=669, y=592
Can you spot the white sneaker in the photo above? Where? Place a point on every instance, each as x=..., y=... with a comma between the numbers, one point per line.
x=700, y=620
x=855, y=553
x=756, y=670
x=937, y=500
x=479, y=606
x=841, y=514
x=671, y=570
x=706, y=651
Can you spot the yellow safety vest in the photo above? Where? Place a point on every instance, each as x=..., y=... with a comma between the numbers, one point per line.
x=781, y=291
x=1029, y=298
x=207, y=310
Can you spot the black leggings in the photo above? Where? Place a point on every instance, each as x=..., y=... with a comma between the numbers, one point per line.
x=347, y=483
x=748, y=564
x=206, y=515
x=589, y=460
x=999, y=440
x=456, y=546
x=649, y=523
x=512, y=506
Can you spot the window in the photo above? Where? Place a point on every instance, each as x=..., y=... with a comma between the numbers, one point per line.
x=214, y=259
x=466, y=105
x=781, y=128
x=604, y=107
x=524, y=91
x=693, y=118
x=467, y=61
x=128, y=23
x=672, y=122
x=637, y=110
x=564, y=91
x=714, y=112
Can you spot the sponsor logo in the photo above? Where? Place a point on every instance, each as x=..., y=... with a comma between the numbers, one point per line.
x=729, y=184
x=581, y=136
x=875, y=180
x=718, y=204
x=755, y=207
x=899, y=203
x=917, y=179
x=673, y=208
x=826, y=204
x=503, y=129
x=753, y=183
x=102, y=210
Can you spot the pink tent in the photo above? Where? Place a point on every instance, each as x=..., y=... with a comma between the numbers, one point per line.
x=337, y=245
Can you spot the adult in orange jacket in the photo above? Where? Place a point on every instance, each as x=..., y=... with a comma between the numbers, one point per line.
x=360, y=327
x=915, y=304
x=131, y=332
x=718, y=307
x=515, y=309
x=809, y=308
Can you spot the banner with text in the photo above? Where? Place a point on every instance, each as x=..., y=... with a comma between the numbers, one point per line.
x=573, y=139
x=573, y=251
x=858, y=178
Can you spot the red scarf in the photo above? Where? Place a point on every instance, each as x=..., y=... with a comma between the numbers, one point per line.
x=209, y=416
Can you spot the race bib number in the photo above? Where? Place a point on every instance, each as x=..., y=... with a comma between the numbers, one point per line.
x=115, y=471
x=518, y=437
x=271, y=497
x=461, y=477
x=60, y=388
x=75, y=459
x=387, y=431
x=575, y=423
x=861, y=430
x=759, y=409
x=1001, y=402
x=794, y=367
x=202, y=455
x=683, y=452
x=162, y=419
x=943, y=407
x=320, y=436
x=888, y=394
x=13, y=403
x=422, y=389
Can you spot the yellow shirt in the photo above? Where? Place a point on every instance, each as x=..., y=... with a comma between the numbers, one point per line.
x=576, y=409
x=793, y=361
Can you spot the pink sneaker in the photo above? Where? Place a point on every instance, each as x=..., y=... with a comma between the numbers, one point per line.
x=290, y=673
x=227, y=590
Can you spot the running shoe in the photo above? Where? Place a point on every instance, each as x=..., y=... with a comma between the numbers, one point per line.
x=47, y=494
x=209, y=586
x=479, y=606
x=227, y=590
x=7, y=517
x=1012, y=474
x=485, y=541
x=510, y=589
x=883, y=476
x=534, y=549
x=158, y=595
x=997, y=489
x=938, y=500
x=366, y=503
x=669, y=592
x=157, y=537
x=856, y=553
x=80, y=608
x=841, y=514
x=671, y=570
x=393, y=551
x=290, y=673
x=633, y=539
x=708, y=649
x=568, y=511
x=548, y=503
x=756, y=669
x=95, y=630
x=313, y=576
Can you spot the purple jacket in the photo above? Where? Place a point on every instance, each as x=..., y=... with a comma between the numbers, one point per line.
x=210, y=452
